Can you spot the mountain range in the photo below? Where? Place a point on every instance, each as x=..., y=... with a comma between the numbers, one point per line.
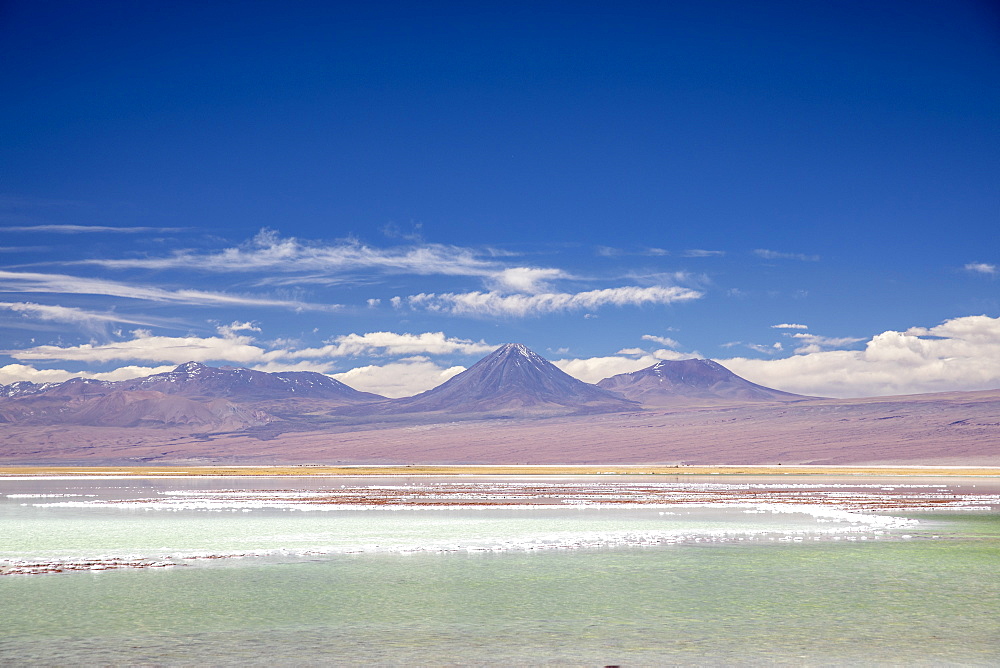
x=512, y=381
x=511, y=406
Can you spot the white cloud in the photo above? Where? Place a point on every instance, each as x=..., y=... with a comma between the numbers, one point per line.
x=496, y=304
x=88, y=319
x=631, y=352
x=271, y=252
x=761, y=348
x=399, y=379
x=292, y=261
x=982, y=268
x=145, y=346
x=776, y=255
x=959, y=354
x=232, y=346
x=662, y=340
x=813, y=343
x=525, y=279
x=699, y=252
x=304, y=365
x=237, y=326
x=593, y=369
x=63, y=284
x=787, y=325
x=13, y=373
x=391, y=343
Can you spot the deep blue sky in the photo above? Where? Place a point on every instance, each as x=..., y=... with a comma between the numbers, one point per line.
x=833, y=165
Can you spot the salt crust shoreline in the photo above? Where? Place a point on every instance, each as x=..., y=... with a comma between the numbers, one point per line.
x=849, y=527
x=318, y=470
x=850, y=506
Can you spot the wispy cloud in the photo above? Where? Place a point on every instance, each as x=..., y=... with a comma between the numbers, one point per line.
x=700, y=252
x=145, y=346
x=90, y=320
x=64, y=284
x=776, y=255
x=982, y=268
x=662, y=340
x=789, y=325
x=291, y=261
x=611, y=251
x=519, y=305
x=813, y=343
x=268, y=251
x=78, y=229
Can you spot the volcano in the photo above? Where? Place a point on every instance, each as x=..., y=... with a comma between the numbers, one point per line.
x=513, y=381
x=672, y=382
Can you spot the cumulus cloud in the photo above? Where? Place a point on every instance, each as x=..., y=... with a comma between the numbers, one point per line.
x=982, y=268
x=776, y=255
x=520, y=305
x=959, y=354
x=789, y=325
x=399, y=379
x=11, y=281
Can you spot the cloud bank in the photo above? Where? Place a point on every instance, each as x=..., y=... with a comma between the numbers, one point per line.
x=959, y=354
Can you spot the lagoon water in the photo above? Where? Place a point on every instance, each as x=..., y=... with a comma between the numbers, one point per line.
x=266, y=571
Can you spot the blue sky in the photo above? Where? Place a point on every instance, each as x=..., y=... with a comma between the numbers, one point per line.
x=807, y=192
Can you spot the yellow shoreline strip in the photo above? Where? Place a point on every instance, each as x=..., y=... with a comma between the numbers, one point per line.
x=497, y=470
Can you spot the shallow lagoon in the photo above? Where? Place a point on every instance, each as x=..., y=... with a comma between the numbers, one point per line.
x=522, y=582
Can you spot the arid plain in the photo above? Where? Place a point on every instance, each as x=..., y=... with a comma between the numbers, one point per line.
x=933, y=429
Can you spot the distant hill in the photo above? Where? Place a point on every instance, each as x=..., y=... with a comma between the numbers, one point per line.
x=512, y=380
x=671, y=382
x=198, y=380
x=142, y=408
x=192, y=396
x=193, y=379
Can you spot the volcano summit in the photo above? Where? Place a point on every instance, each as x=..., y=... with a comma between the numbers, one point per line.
x=514, y=381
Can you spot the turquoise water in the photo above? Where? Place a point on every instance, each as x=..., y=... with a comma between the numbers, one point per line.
x=916, y=594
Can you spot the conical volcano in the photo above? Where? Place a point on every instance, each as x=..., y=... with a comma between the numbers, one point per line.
x=514, y=381
x=672, y=382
